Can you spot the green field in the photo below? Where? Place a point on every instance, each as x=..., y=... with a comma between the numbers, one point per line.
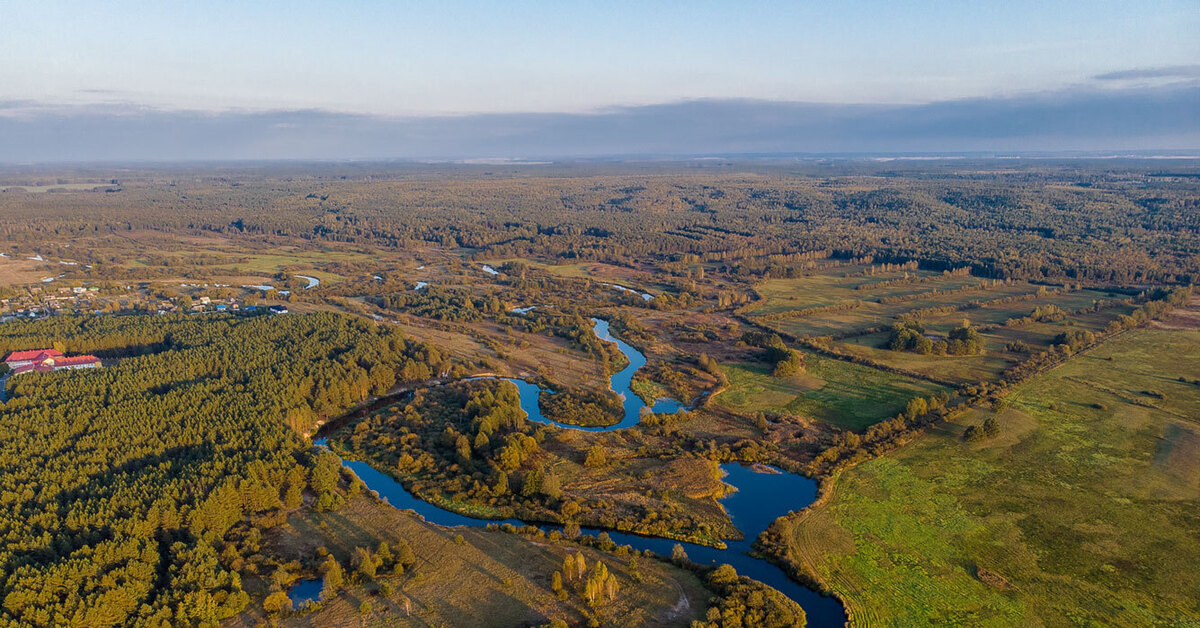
x=63, y=187
x=840, y=393
x=828, y=287
x=967, y=368
x=998, y=313
x=1085, y=510
x=832, y=287
x=596, y=271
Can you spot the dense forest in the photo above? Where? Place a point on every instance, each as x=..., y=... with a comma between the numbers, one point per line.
x=125, y=490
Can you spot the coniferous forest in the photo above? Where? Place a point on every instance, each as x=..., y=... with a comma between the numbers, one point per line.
x=129, y=492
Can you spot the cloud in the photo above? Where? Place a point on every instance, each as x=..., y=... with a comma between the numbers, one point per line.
x=1166, y=72
x=1145, y=118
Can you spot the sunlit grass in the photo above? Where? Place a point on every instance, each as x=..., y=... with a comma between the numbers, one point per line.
x=1078, y=512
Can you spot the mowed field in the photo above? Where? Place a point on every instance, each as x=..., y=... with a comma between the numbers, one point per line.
x=834, y=286
x=490, y=578
x=840, y=393
x=292, y=260
x=229, y=260
x=1085, y=510
x=997, y=355
x=57, y=187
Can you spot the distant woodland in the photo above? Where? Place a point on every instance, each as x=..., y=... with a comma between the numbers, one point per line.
x=1095, y=224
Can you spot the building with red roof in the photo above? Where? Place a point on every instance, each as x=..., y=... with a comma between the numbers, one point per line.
x=25, y=358
x=47, y=361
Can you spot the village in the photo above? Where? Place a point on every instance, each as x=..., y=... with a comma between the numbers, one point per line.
x=38, y=301
x=33, y=301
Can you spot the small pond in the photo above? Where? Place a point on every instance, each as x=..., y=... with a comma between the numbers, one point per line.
x=305, y=591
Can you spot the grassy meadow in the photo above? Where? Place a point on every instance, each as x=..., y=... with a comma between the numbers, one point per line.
x=596, y=271
x=1084, y=510
x=862, y=304
x=512, y=353
x=840, y=393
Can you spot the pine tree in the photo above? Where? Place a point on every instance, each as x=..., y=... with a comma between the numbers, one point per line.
x=404, y=554
x=363, y=562
x=332, y=578
x=596, y=456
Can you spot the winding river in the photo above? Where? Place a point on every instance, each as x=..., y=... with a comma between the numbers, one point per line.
x=621, y=382
x=763, y=495
x=646, y=296
x=313, y=282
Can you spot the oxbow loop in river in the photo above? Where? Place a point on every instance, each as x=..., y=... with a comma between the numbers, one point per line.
x=761, y=496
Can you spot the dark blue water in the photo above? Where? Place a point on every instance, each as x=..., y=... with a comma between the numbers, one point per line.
x=395, y=494
x=763, y=495
x=761, y=498
x=305, y=591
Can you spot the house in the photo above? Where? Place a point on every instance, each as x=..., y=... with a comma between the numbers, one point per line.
x=47, y=360
x=279, y=309
x=18, y=359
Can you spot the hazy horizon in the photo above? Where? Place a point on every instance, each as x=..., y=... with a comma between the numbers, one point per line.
x=1164, y=118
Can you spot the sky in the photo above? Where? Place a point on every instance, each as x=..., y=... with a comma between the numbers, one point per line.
x=404, y=58
x=400, y=61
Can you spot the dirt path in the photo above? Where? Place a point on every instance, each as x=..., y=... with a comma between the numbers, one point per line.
x=681, y=608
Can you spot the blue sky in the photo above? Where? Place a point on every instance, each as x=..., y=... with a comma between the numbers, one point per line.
x=408, y=58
